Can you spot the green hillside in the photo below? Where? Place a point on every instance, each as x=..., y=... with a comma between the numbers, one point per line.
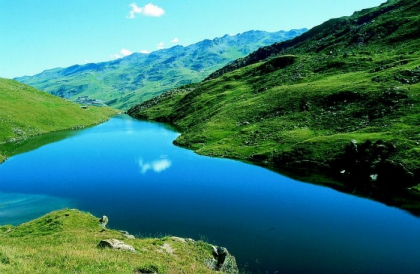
x=25, y=112
x=67, y=241
x=338, y=105
x=125, y=82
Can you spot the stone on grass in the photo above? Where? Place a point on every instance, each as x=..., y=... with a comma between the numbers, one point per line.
x=103, y=221
x=116, y=244
x=222, y=261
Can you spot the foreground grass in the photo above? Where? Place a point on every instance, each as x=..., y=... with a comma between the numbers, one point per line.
x=25, y=112
x=339, y=105
x=66, y=241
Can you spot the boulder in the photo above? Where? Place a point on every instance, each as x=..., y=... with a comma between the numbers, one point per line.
x=116, y=244
x=103, y=221
x=222, y=261
x=220, y=254
x=126, y=234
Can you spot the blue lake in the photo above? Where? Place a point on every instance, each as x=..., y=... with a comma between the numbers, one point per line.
x=130, y=171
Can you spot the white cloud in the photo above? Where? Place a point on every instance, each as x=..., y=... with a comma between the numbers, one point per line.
x=161, y=165
x=144, y=167
x=145, y=51
x=161, y=45
x=152, y=10
x=125, y=52
x=135, y=8
x=115, y=56
x=157, y=166
x=131, y=15
x=147, y=10
x=175, y=40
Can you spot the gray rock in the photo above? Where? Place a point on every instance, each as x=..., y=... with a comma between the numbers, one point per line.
x=178, y=239
x=126, y=234
x=116, y=244
x=222, y=261
x=103, y=221
x=129, y=236
x=220, y=254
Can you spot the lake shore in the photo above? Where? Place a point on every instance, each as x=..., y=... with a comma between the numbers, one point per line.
x=146, y=185
x=70, y=241
x=20, y=144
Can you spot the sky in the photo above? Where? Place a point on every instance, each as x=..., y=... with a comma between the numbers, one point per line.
x=36, y=35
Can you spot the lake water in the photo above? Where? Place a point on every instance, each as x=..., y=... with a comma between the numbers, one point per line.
x=130, y=171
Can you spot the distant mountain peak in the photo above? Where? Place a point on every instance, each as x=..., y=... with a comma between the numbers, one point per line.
x=126, y=81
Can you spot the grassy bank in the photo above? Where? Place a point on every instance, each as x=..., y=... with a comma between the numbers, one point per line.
x=66, y=241
x=25, y=112
x=338, y=105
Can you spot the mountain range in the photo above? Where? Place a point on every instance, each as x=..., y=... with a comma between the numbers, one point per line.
x=338, y=105
x=125, y=82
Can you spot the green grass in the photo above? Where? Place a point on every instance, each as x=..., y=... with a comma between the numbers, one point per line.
x=65, y=241
x=26, y=112
x=300, y=108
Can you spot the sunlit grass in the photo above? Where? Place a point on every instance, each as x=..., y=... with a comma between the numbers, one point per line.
x=25, y=112
x=66, y=241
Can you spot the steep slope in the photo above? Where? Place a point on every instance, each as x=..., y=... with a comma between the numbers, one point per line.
x=125, y=82
x=382, y=26
x=25, y=112
x=338, y=105
x=68, y=241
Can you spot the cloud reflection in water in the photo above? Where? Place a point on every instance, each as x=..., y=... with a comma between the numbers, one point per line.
x=157, y=165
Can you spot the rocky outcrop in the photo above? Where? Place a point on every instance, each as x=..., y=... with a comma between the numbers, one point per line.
x=116, y=244
x=103, y=221
x=127, y=234
x=371, y=162
x=222, y=261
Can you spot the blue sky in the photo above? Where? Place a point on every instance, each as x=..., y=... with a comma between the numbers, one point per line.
x=36, y=35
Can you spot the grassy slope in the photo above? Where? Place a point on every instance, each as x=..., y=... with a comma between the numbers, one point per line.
x=25, y=111
x=66, y=241
x=352, y=78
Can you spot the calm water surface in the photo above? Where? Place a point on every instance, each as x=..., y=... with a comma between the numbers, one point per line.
x=130, y=171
